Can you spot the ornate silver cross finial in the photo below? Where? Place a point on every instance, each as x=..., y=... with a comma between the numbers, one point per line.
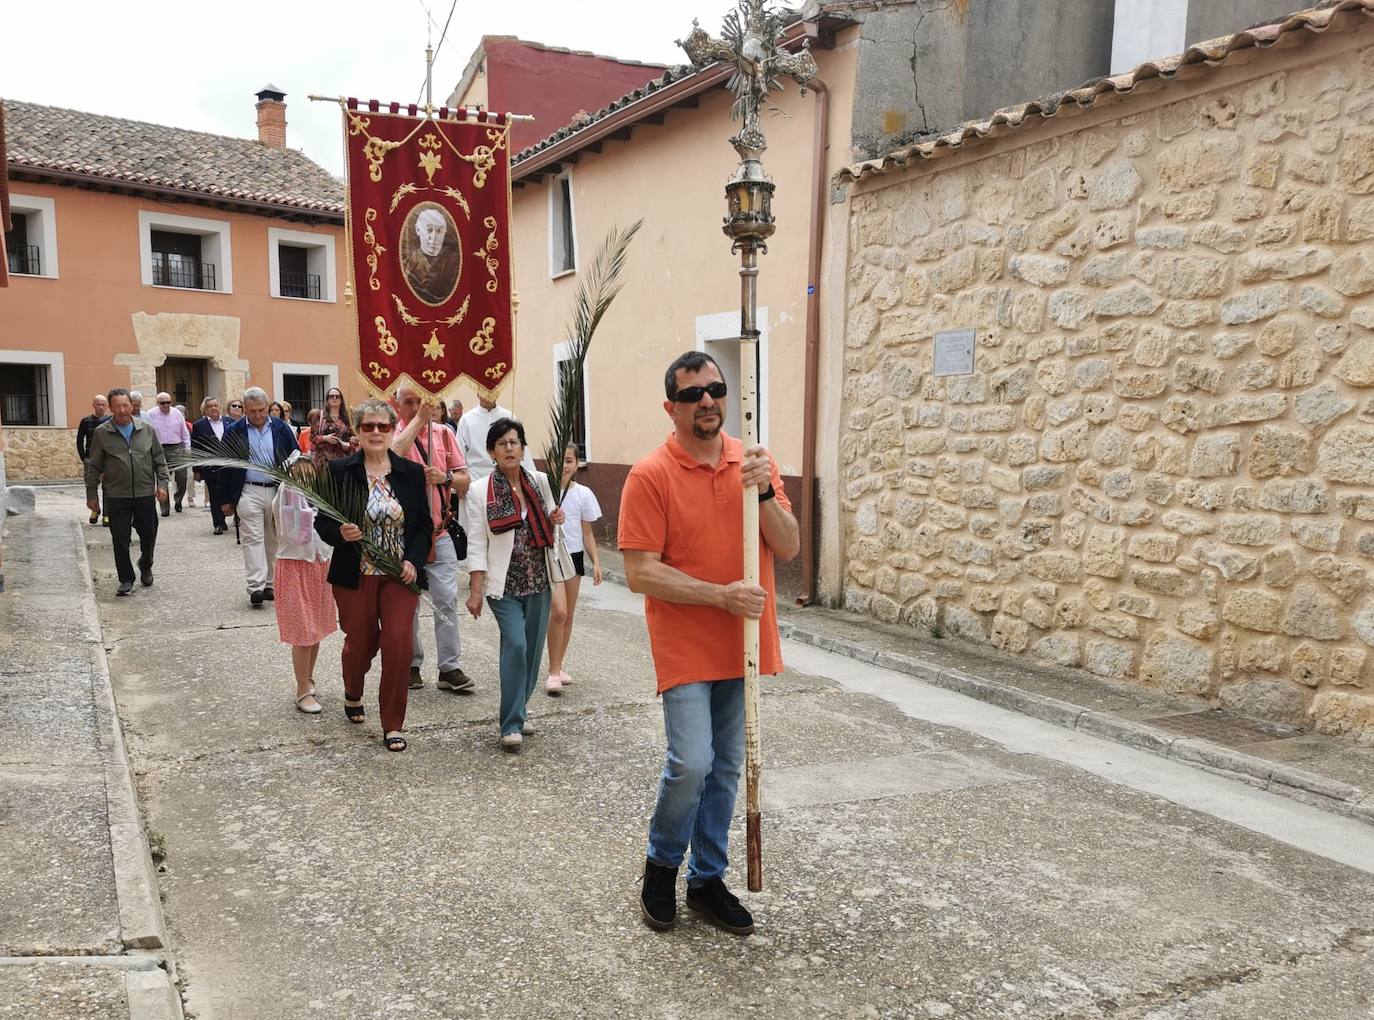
x=753, y=33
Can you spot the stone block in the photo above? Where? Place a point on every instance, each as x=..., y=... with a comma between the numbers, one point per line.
x=1318, y=535
x=1266, y=699
x=1254, y=609
x=1353, y=274
x=1198, y=619
x=1158, y=548
x=1132, y=299
x=1061, y=649
x=1299, y=497
x=1237, y=410
x=1232, y=564
x=1199, y=161
x=1320, y=301
x=1059, y=567
x=1345, y=580
x=1279, y=451
x=1177, y=664
x=1347, y=455
x=1113, y=186
x=1313, y=614
x=1344, y=714
x=1251, y=529
x=1040, y=270
x=1356, y=365
x=1256, y=305
x=1110, y=660
x=1322, y=405
x=1215, y=455
x=1192, y=276
x=1354, y=162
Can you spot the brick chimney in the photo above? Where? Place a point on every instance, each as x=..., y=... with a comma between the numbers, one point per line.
x=272, y=117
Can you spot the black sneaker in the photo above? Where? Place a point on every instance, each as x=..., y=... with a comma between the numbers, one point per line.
x=166, y=511
x=255, y=599
x=721, y=907
x=178, y=508
x=125, y=588
x=658, y=895
x=146, y=576
x=269, y=594
x=455, y=680
x=416, y=680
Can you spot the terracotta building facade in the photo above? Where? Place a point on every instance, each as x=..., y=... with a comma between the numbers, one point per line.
x=160, y=259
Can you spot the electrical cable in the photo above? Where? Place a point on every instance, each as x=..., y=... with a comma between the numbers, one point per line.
x=442, y=36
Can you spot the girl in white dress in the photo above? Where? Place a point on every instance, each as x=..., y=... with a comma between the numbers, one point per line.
x=580, y=509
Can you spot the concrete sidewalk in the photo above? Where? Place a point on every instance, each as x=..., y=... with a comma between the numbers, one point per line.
x=1332, y=773
x=927, y=855
x=81, y=927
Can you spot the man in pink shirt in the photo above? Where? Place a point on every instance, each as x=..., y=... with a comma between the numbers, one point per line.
x=435, y=448
x=169, y=424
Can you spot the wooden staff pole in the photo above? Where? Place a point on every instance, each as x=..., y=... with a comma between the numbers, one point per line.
x=749, y=402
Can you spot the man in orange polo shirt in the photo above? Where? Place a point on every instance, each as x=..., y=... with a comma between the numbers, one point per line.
x=681, y=517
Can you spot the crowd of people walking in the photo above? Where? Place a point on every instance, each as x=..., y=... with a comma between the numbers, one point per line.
x=346, y=520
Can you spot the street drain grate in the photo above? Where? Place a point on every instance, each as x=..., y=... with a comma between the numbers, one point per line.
x=1222, y=728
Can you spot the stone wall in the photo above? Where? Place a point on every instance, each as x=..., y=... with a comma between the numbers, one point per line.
x=40, y=455
x=1163, y=466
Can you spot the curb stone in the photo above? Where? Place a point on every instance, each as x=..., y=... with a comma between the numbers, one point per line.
x=1299, y=784
x=151, y=992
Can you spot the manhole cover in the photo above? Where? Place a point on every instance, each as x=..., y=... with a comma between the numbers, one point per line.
x=1222, y=728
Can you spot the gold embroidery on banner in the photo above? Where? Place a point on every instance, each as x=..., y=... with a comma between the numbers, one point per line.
x=373, y=257
x=409, y=319
x=482, y=343
x=483, y=157
x=402, y=192
x=433, y=349
x=458, y=316
x=496, y=371
x=375, y=150
x=484, y=253
x=434, y=376
x=457, y=196
x=430, y=160
x=386, y=343
x=358, y=125
x=378, y=372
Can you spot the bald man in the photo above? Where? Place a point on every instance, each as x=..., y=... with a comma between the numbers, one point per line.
x=431, y=268
x=175, y=437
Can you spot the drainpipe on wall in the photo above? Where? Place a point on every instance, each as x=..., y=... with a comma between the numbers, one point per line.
x=819, y=185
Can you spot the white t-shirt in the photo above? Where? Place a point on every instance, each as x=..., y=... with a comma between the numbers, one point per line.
x=579, y=504
x=472, y=438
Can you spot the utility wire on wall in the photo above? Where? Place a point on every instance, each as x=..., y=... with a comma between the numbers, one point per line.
x=443, y=34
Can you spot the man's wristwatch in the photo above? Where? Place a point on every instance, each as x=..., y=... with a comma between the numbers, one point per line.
x=767, y=494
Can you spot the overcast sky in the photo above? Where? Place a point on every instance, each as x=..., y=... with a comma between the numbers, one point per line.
x=198, y=65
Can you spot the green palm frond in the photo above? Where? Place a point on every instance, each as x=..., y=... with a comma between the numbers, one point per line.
x=596, y=289
x=341, y=503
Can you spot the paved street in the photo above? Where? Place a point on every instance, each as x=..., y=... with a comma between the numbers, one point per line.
x=926, y=855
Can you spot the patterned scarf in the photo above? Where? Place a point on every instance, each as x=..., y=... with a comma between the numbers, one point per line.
x=504, y=515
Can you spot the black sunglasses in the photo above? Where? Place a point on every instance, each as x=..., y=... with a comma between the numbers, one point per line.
x=691, y=394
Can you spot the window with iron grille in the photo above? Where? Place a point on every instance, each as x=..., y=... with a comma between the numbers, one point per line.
x=25, y=394
x=296, y=280
x=303, y=392
x=177, y=261
x=24, y=258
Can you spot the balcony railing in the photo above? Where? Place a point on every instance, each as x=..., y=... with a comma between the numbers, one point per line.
x=25, y=260
x=303, y=285
x=179, y=272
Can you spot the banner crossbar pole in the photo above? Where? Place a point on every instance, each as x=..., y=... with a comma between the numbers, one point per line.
x=429, y=109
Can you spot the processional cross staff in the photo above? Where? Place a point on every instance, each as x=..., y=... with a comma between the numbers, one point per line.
x=753, y=36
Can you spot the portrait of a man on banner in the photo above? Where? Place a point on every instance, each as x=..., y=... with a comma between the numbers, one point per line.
x=431, y=253
x=429, y=247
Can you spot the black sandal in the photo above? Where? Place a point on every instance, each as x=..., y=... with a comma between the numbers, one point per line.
x=393, y=741
x=353, y=711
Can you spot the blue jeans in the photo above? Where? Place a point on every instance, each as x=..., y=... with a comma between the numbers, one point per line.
x=696, y=796
x=524, y=621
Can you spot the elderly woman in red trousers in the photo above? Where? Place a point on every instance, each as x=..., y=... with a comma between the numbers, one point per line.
x=375, y=608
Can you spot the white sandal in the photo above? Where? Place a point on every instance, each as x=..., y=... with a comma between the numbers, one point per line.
x=309, y=711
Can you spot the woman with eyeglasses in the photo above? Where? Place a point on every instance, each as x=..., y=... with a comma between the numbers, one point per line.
x=330, y=437
x=511, y=516
x=376, y=608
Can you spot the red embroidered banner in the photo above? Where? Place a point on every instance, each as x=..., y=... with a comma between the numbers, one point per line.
x=429, y=248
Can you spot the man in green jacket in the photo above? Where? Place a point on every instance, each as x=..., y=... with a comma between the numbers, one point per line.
x=127, y=457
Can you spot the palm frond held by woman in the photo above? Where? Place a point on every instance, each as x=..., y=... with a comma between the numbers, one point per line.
x=343, y=504
x=596, y=289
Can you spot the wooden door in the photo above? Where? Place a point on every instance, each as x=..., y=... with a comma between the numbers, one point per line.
x=184, y=379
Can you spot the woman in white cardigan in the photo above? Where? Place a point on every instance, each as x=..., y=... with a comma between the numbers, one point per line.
x=511, y=520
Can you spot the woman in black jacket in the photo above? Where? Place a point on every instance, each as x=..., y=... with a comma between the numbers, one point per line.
x=376, y=609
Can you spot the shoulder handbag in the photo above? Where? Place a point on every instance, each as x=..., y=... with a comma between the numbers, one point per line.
x=556, y=557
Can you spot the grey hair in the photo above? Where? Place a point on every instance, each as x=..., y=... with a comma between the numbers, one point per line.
x=255, y=393
x=206, y=403
x=135, y=395
x=373, y=406
x=405, y=386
